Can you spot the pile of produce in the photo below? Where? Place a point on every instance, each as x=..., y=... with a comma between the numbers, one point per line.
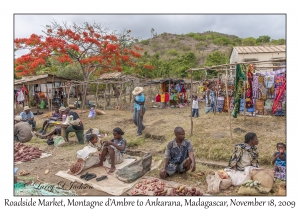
x=156, y=187
x=25, y=153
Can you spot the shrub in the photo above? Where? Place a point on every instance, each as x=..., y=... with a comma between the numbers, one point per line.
x=145, y=42
x=173, y=52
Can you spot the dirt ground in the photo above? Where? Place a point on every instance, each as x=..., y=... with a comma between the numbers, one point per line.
x=208, y=131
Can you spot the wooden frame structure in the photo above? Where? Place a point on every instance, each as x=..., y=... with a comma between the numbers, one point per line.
x=226, y=67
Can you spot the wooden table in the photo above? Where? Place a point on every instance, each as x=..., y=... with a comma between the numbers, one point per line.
x=63, y=128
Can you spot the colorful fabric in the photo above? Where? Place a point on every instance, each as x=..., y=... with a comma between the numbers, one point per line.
x=157, y=98
x=255, y=93
x=177, y=155
x=225, y=107
x=278, y=82
x=240, y=77
x=249, y=90
x=271, y=72
x=167, y=97
x=262, y=88
x=281, y=173
x=162, y=97
x=280, y=162
x=239, y=150
x=278, y=96
x=242, y=104
x=220, y=104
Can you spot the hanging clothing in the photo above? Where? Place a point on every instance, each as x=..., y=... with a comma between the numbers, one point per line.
x=278, y=97
x=210, y=101
x=249, y=91
x=240, y=77
x=162, y=98
x=220, y=104
x=167, y=97
x=255, y=87
x=262, y=88
x=157, y=98
x=20, y=96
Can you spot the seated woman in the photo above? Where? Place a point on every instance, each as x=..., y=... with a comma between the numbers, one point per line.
x=56, y=115
x=113, y=150
x=243, y=159
x=279, y=158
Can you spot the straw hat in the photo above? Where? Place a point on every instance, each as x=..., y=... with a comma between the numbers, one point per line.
x=62, y=108
x=26, y=108
x=137, y=90
x=77, y=167
x=18, y=118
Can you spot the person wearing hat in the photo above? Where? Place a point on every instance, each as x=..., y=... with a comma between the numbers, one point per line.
x=78, y=129
x=57, y=115
x=22, y=130
x=139, y=109
x=27, y=116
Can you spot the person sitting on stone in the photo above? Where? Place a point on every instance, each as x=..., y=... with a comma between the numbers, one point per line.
x=27, y=116
x=56, y=116
x=113, y=150
x=179, y=156
x=22, y=130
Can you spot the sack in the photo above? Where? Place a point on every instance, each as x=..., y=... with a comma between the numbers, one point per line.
x=264, y=176
x=136, y=169
x=225, y=183
x=243, y=190
x=213, y=182
x=58, y=140
x=239, y=177
x=84, y=153
x=281, y=190
x=50, y=141
x=91, y=161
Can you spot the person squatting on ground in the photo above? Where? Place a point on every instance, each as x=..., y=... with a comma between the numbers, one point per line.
x=113, y=150
x=56, y=116
x=179, y=156
x=279, y=159
x=22, y=130
x=27, y=116
x=139, y=109
x=78, y=129
x=195, y=107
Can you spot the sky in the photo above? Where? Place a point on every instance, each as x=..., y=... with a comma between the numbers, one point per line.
x=241, y=25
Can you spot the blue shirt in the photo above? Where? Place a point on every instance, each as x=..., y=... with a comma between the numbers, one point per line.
x=280, y=162
x=138, y=98
x=177, y=155
x=120, y=144
x=26, y=116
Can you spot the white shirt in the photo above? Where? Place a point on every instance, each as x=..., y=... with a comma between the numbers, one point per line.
x=195, y=104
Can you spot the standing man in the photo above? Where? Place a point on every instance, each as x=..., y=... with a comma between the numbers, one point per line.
x=179, y=156
x=78, y=129
x=22, y=130
x=139, y=109
x=27, y=116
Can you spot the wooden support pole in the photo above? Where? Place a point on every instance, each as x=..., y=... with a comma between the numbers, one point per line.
x=97, y=94
x=191, y=92
x=228, y=103
x=69, y=94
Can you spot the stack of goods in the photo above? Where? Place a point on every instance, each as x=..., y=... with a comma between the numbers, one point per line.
x=25, y=153
x=156, y=187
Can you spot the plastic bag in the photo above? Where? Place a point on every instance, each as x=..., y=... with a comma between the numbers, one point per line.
x=213, y=182
x=58, y=140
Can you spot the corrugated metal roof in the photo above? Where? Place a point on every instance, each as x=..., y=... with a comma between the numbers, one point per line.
x=113, y=75
x=26, y=79
x=260, y=49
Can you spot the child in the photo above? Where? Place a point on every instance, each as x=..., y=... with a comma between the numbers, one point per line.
x=279, y=158
x=93, y=140
x=195, y=107
x=113, y=150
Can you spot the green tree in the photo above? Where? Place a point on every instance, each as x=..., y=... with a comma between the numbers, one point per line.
x=250, y=41
x=263, y=39
x=215, y=58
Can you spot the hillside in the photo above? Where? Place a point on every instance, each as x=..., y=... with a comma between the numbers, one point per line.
x=170, y=46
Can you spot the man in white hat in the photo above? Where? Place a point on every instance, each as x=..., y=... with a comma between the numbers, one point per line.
x=27, y=116
x=139, y=109
x=22, y=130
